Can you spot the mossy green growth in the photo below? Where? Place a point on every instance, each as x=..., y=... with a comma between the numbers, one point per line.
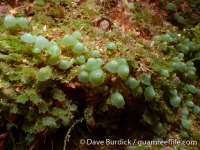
x=40, y=2
x=54, y=60
x=28, y=71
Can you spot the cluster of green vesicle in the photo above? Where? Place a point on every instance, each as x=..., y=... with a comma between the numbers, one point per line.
x=11, y=21
x=176, y=16
x=119, y=66
x=39, y=44
x=185, y=48
x=92, y=72
x=175, y=100
x=181, y=66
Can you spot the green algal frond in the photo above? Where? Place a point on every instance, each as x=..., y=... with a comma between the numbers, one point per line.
x=36, y=99
x=5, y=68
x=15, y=76
x=49, y=121
x=9, y=93
x=14, y=109
x=10, y=125
x=29, y=127
x=5, y=57
x=43, y=107
x=30, y=91
x=65, y=120
x=30, y=115
x=16, y=57
x=29, y=138
x=58, y=112
x=58, y=94
x=39, y=126
x=22, y=98
x=72, y=108
x=29, y=71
